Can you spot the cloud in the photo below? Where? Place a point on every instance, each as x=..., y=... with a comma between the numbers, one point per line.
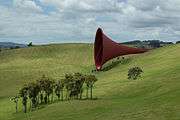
x=85, y=5
x=27, y=5
x=44, y=21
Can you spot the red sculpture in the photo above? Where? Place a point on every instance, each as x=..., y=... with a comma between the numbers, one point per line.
x=106, y=49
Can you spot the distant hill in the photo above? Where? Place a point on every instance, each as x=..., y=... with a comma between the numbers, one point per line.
x=11, y=45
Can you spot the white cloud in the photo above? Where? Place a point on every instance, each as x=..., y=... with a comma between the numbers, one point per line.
x=27, y=5
x=85, y=5
x=77, y=20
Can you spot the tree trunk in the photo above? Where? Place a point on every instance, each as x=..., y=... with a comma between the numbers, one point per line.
x=16, y=107
x=41, y=98
x=30, y=106
x=76, y=96
x=91, y=92
x=24, y=102
x=67, y=95
x=48, y=98
x=87, y=92
x=58, y=95
x=45, y=99
x=52, y=97
x=38, y=99
x=80, y=94
x=62, y=95
x=25, y=108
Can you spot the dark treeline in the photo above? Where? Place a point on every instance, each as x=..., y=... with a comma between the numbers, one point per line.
x=177, y=42
x=147, y=43
x=44, y=90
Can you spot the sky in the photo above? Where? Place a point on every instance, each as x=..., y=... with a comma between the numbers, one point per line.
x=64, y=21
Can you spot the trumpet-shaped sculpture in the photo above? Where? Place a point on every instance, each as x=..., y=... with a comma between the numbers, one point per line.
x=106, y=49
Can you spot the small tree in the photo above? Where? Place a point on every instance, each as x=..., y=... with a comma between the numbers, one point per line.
x=33, y=91
x=16, y=47
x=90, y=80
x=46, y=86
x=134, y=73
x=177, y=42
x=40, y=84
x=87, y=86
x=30, y=44
x=15, y=100
x=52, y=82
x=49, y=85
x=74, y=85
x=68, y=83
x=62, y=88
x=58, y=89
x=79, y=82
x=24, y=93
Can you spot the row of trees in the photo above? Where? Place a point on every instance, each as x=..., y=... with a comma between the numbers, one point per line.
x=42, y=91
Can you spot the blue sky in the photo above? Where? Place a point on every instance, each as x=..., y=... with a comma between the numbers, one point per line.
x=59, y=21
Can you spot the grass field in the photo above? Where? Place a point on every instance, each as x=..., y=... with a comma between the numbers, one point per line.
x=155, y=96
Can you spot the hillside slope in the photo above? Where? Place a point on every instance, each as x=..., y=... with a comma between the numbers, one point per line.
x=155, y=96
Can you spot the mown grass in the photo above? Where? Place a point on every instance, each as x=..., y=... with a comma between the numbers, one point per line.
x=154, y=96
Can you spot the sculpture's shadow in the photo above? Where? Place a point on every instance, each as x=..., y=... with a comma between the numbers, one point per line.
x=115, y=62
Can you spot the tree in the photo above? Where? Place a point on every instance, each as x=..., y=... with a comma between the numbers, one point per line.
x=90, y=80
x=155, y=43
x=15, y=100
x=41, y=86
x=11, y=47
x=59, y=89
x=68, y=83
x=134, y=73
x=52, y=82
x=16, y=47
x=33, y=91
x=30, y=44
x=24, y=93
x=177, y=42
x=49, y=85
x=62, y=88
x=74, y=85
x=79, y=82
x=87, y=86
x=46, y=86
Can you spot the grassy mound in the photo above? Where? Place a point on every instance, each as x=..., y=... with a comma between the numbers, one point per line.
x=155, y=96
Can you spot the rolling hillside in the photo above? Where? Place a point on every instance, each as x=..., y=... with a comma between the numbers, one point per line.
x=154, y=96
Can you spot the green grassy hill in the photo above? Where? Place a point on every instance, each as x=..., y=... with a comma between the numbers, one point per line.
x=155, y=96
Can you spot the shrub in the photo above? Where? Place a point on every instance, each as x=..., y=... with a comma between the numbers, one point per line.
x=177, y=42
x=30, y=44
x=134, y=73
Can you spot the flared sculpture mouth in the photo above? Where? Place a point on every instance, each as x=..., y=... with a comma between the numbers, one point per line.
x=98, y=49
